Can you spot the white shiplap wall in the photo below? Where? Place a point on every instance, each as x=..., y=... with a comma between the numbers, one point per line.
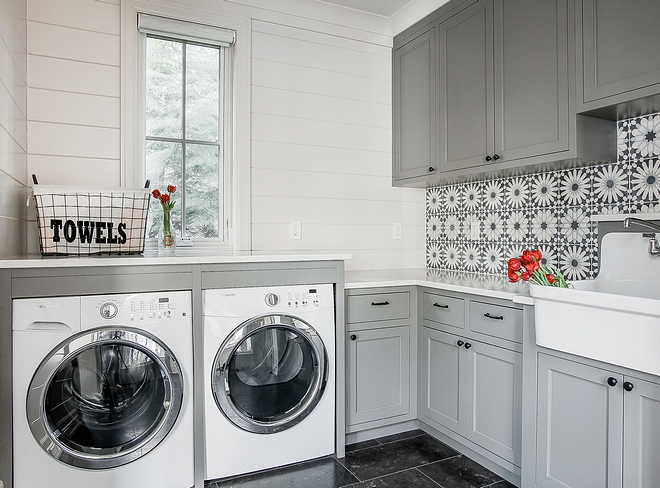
x=73, y=91
x=321, y=150
x=321, y=127
x=13, y=134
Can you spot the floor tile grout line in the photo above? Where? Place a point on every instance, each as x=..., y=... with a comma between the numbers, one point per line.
x=393, y=473
x=351, y=472
x=427, y=476
x=386, y=443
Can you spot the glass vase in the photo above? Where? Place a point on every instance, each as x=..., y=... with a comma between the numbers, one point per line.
x=166, y=239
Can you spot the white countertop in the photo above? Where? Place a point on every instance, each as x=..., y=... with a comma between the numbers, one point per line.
x=152, y=258
x=463, y=282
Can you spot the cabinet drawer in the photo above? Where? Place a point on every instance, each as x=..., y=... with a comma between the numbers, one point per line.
x=377, y=306
x=496, y=321
x=444, y=310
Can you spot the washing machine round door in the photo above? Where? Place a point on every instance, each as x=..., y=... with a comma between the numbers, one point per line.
x=105, y=397
x=270, y=373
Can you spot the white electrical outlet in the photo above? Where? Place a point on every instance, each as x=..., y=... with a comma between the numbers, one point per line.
x=295, y=230
x=397, y=231
x=474, y=231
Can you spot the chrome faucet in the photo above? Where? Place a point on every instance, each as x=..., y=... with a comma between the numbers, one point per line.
x=654, y=247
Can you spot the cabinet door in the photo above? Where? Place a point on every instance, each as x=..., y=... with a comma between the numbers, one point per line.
x=579, y=426
x=378, y=374
x=531, y=78
x=466, y=87
x=641, y=449
x=442, y=379
x=414, y=108
x=620, y=46
x=494, y=399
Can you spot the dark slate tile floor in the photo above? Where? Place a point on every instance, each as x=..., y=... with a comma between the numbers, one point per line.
x=410, y=460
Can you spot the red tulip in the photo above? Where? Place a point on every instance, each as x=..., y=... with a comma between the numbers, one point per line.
x=513, y=277
x=514, y=264
x=156, y=193
x=537, y=254
x=529, y=267
x=550, y=278
x=537, y=265
x=171, y=188
x=525, y=276
x=164, y=198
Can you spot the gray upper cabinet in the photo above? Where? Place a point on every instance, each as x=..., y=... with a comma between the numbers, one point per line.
x=505, y=92
x=595, y=427
x=466, y=87
x=413, y=108
x=618, y=43
x=503, y=83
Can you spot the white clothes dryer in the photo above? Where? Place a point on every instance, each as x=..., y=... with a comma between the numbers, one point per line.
x=269, y=376
x=102, y=392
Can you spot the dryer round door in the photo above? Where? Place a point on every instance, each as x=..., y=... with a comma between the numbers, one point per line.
x=270, y=373
x=105, y=397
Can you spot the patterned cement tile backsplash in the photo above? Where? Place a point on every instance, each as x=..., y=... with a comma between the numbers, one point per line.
x=550, y=211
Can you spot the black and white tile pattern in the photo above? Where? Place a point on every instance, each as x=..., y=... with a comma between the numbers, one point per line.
x=550, y=211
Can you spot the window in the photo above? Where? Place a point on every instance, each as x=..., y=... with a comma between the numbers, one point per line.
x=185, y=123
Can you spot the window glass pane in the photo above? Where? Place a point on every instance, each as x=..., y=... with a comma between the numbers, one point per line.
x=164, y=166
x=164, y=88
x=202, y=92
x=203, y=191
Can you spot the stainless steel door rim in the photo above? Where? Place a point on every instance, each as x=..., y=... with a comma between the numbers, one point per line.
x=294, y=353
x=102, y=404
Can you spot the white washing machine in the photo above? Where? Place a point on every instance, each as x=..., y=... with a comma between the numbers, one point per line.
x=103, y=391
x=269, y=375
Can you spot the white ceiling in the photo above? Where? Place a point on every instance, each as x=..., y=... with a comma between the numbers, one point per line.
x=386, y=8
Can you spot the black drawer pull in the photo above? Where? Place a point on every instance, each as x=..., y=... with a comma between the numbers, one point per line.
x=440, y=306
x=380, y=303
x=494, y=317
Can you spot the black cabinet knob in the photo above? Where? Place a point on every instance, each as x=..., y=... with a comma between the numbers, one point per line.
x=431, y=169
x=488, y=158
x=612, y=381
x=628, y=386
x=496, y=157
x=459, y=343
x=353, y=337
x=468, y=345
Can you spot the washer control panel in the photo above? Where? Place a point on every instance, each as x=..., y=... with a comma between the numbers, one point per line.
x=137, y=309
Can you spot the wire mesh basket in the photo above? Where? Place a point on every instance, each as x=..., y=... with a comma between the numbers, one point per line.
x=83, y=220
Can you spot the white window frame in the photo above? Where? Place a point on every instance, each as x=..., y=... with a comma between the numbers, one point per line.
x=237, y=140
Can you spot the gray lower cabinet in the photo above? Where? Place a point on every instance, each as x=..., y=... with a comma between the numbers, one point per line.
x=379, y=378
x=474, y=389
x=470, y=372
x=618, y=44
x=595, y=427
x=379, y=374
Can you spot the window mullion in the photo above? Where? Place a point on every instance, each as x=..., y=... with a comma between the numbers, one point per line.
x=183, y=145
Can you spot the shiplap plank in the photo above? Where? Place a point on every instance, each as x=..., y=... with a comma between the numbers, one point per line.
x=13, y=232
x=13, y=196
x=73, y=108
x=12, y=118
x=320, y=133
x=274, y=155
x=329, y=185
x=73, y=76
x=303, y=79
x=63, y=170
x=336, y=211
x=84, y=14
x=13, y=158
x=287, y=103
x=73, y=140
x=328, y=236
x=73, y=44
x=328, y=58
